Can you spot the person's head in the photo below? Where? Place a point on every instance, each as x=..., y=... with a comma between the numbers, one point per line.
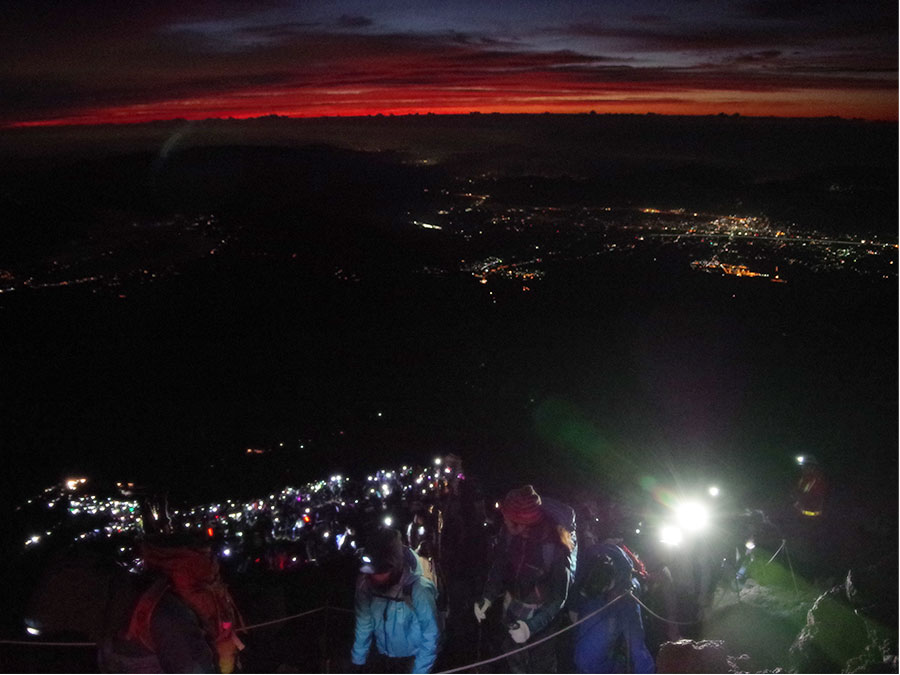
x=521, y=509
x=383, y=557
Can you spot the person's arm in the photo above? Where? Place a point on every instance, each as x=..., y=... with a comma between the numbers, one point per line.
x=425, y=608
x=365, y=624
x=558, y=587
x=180, y=643
x=494, y=584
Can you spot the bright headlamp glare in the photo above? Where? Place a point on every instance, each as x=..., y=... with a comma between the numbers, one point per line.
x=693, y=516
x=670, y=535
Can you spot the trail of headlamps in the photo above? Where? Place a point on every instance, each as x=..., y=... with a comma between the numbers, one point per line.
x=291, y=510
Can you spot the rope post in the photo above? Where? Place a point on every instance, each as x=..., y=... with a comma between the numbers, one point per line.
x=791, y=567
x=326, y=656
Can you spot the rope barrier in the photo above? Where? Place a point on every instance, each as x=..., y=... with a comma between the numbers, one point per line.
x=663, y=619
x=47, y=644
x=542, y=640
x=281, y=620
x=38, y=643
x=343, y=609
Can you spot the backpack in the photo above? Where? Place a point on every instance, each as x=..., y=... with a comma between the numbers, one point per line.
x=600, y=577
x=639, y=570
x=607, y=567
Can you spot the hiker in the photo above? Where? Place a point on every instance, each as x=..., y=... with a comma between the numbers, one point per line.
x=178, y=618
x=532, y=571
x=811, y=489
x=420, y=533
x=397, y=605
x=612, y=640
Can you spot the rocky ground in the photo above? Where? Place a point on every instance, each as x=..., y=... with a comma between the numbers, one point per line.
x=781, y=624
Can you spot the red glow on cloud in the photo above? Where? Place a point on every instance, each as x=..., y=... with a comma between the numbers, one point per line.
x=526, y=93
x=325, y=74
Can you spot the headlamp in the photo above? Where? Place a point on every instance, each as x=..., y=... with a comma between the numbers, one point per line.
x=670, y=535
x=367, y=566
x=693, y=516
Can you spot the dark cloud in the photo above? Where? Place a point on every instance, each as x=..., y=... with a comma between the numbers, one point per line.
x=818, y=10
x=758, y=57
x=281, y=30
x=651, y=19
x=161, y=59
x=352, y=21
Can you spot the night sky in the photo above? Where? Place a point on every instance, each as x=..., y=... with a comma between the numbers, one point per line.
x=99, y=62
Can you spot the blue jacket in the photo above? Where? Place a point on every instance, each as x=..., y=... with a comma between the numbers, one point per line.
x=403, y=619
x=596, y=637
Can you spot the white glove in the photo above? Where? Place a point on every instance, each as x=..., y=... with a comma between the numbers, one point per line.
x=520, y=633
x=481, y=610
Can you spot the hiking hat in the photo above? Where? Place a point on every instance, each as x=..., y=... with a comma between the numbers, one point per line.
x=384, y=552
x=522, y=506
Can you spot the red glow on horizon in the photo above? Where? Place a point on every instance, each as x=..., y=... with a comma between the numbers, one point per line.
x=755, y=109
x=532, y=93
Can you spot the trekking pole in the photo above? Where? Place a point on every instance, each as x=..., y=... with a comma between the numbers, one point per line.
x=478, y=645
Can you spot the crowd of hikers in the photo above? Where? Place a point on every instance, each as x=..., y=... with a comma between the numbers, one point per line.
x=532, y=576
x=526, y=584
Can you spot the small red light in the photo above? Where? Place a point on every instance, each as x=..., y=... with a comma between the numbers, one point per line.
x=209, y=531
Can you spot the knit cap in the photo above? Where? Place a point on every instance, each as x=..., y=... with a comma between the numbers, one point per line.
x=522, y=506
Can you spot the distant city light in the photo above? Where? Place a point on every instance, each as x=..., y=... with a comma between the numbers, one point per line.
x=713, y=491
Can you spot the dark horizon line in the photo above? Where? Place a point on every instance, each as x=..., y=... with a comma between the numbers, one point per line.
x=475, y=113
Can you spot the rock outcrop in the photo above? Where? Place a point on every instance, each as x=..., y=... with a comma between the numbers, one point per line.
x=852, y=628
x=699, y=656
